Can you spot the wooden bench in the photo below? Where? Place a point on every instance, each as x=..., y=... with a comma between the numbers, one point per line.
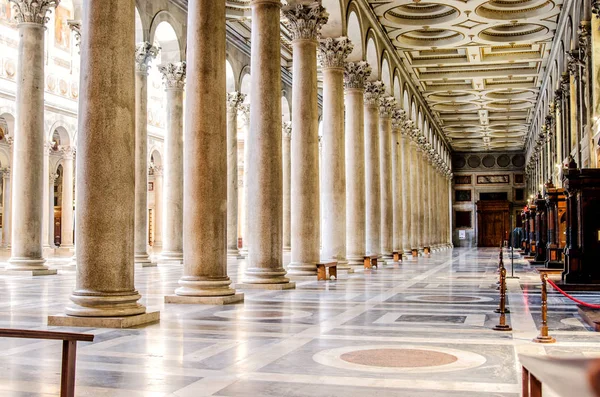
x=67, y=377
x=370, y=261
x=397, y=256
x=322, y=270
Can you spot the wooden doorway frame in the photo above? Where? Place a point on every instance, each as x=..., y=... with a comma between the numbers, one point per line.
x=493, y=206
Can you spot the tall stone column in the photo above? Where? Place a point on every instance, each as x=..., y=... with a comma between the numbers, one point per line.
x=51, y=183
x=67, y=222
x=48, y=216
x=432, y=200
x=144, y=53
x=414, y=207
x=304, y=23
x=6, y=195
x=425, y=198
x=174, y=79
x=386, y=108
x=405, y=129
x=287, y=185
x=28, y=153
x=332, y=55
x=206, y=181
x=373, y=92
x=105, y=294
x=245, y=111
x=158, y=207
x=234, y=100
x=265, y=254
x=355, y=75
x=397, y=120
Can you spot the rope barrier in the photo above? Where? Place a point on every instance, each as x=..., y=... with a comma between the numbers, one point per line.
x=590, y=305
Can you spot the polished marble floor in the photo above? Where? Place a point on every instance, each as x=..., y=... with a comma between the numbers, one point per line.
x=421, y=328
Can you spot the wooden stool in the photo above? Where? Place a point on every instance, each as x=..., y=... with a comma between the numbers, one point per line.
x=397, y=256
x=370, y=261
x=322, y=270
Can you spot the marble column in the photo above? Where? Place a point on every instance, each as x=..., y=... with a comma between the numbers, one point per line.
x=397, y=120
x=420, y=192
x=174, y=79
x=48, y=215
x=265, y=179
x=105, y=294
x=425, y=198
x=287, y=185
x=332, y=55
x=206, y=181
x=6, y=195
x=386, y=108
x=67, y=221
x=144, y=53
x=158, y=207
x=51, y=183
x=355, y=75
x=304, y=22
x=405, y=129
x=28, y=153
x=373, y=92
x=414, y=208
x=245, y=112
x=432, y=200
x=234, y=100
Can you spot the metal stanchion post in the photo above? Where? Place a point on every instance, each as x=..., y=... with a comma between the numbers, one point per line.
x=502, y=326
x=543, y=337
x=502, y=284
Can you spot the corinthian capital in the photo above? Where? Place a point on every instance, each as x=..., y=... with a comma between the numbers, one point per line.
x=234, y=100
x=68, y=152
x=287, y=129
x=398, y=117
x=596, y=8
x=356, y=74
x=386, y=106
x=373, y=91
x=173, y=75
x=333, y=52
x=144, y=53
x=305, y=21
x=33, y=11
x=245, y=110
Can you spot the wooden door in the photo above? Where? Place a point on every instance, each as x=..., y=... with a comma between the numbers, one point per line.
x=492, y=222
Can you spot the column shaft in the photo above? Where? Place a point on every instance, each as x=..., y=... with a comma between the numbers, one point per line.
x=406, y=192
x=48, y=216
x=158, y=208
x=6, y=206
x=386, y=176
x=414, y=207
x=245, y=109
x=234, y=99
x=67, y=223
x=287, y=186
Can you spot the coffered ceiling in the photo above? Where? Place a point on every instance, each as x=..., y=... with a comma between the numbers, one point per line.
x=478, y=63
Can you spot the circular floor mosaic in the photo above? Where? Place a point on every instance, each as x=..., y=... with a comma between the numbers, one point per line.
x=262, y=314
x=448, y=298
x=399, y=359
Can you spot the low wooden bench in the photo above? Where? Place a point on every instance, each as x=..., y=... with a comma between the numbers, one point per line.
x=67, y=376
x=370, y=261
x=397, y=256
x=322, y=270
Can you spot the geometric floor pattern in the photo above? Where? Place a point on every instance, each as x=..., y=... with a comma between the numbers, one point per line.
x=421, y=328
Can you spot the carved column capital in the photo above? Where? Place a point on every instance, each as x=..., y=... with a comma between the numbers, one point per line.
x=585, y=39
x=234, y=100
x=6, y=172
x=52, y=178
x=398, y=119
x=387, y=106
x=356, y=74
x=245, y=110
x=596, y=8
x=144, y=53
x=333, y=52
x=75, y=26
x=68, y=152
x=574, y=62
x=304, y=20
x=157, y=170
x=373, y=91
x=33, y=11
x=287, y=129
x=173, y=75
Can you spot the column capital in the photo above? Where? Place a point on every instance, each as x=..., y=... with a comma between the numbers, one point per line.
x=596, y=8
x=75, y=26
x=52, y=177
x=6, y=172
x=332, y=52
x=574, y=62
x=407, y=127
x=173, y=75
x=373, y=91
x=585, y=39
x=305, y=20
x=386, y=106
x=33, y=11
x=398, y=119
x=356, y=74
x=157, y=170
x=68, y=152
x=244, y=108
x=10, y=140
x=234, y=100
x=565, y=84
x=144, y=53
x=48, y=148
x=287, y=129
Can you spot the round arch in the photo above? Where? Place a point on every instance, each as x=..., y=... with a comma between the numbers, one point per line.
x=397, y=87
x=354, y=33
x=386, y=75
x=245, y=84
x=335, y=24
x=164, y=31
x=60, y=130
x=229, y=77
x=372, y=57
x=285, y=110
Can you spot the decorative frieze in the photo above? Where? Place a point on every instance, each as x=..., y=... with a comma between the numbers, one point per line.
x=304, y=20
x=332, y=53
x=173, y=75
x=144, y=53
x=235, y=100
x=356, y=74
x=373, y=91
x=33, y=11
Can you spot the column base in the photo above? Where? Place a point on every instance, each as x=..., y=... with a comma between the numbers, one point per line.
x=63, y=320
x=287, y=249
x=274, y=287
x=243, y=252
x=19, y=264
x=197, y=287
x=205, y=300
x=34, y=273
x=387, y=256
x=302, y=269
x=233, y=253
x=171, y=256
x=357, y=260
x=144, y=260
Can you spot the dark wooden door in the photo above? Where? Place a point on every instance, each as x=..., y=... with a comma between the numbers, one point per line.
x=492, y=222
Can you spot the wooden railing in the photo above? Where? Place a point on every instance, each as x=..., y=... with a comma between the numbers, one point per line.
x=67, y=378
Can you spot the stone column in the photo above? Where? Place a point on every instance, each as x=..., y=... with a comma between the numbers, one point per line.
x=245, y=110
x=265, y=254
x=355, y=75
x=206, y=181
x=67, y=222
x=287, y=186
x=425, y=197
x=158, y=207
x=332, y=55
x=386, y=108
x=373, y=92
x=51, y=182
x=420, y=192
x=397, y=120
x=405, y=129
x=304, y=23
x=48, y=215
x=432, y=200
x=174, y=79
x=414, y=214
x=105, y=294
x=234, y=100
x=6, y=194
x=28, y=153
x=144, y=53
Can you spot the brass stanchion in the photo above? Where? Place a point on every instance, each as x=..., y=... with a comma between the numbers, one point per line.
x=500, y=285
x=543, y=337
x=502, y=326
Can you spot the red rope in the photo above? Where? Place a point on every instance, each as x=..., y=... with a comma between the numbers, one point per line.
x=591, y=306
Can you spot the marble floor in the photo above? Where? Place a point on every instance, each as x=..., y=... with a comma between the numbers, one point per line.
x=421, y=328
